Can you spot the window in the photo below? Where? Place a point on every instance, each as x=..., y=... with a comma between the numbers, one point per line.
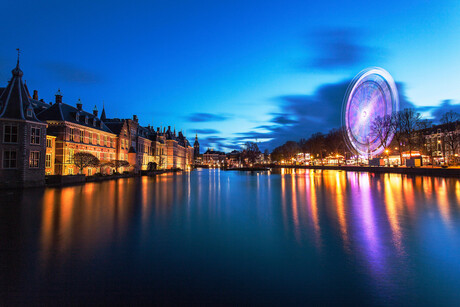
x=72, y=136
x=49, y=143
x=48, y=160
x=9, y=159
x=86, y=120
x=10, y=134
x=71, y=156
x=105, y=140
x=82, y=136
x=90, y=137
x=35, y=136
x=98, y=142
x=71, y=171
x=34, y=159
x=90, y=171
x=77, y=117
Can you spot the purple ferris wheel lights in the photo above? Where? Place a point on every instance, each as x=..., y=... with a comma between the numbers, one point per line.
x=371, y=94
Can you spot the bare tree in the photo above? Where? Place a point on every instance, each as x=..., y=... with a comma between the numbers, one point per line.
x=119, y=163
x=84, y=159
x=382, y=128
x=251, y=151
x=450, y=120
x=408, y=124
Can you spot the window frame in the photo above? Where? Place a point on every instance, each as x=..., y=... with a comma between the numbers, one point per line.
x=34, y=137
x=9, y=159
x=34, y=162
x=11, y=133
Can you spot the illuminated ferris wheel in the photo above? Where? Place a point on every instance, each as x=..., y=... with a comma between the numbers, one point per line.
x=371, y=94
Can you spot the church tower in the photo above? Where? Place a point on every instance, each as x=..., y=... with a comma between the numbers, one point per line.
x=196, y=147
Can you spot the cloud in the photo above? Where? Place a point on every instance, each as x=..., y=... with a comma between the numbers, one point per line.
x=282, y=119
x=340, y=49
x=207, y=117
x=205, y=131
x=69, y=73
x=438, y=111
x=303, y=115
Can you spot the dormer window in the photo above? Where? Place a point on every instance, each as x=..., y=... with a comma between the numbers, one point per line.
x=94, y=122
x=100, y=123
x=86, y=120
x=29, y=112
x=77, y=117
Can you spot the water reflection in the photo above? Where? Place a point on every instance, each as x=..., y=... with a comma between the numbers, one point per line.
x=211, y=228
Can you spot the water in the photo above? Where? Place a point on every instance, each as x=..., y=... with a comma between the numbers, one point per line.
x=222, y=238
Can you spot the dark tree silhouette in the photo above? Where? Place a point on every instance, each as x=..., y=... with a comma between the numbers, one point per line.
x=84, y=159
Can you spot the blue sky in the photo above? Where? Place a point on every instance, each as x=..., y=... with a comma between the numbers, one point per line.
x=232, y=70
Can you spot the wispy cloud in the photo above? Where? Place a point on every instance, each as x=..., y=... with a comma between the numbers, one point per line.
x=208, y=117
x=205, y=131
x=70, y=73
x=340, y=49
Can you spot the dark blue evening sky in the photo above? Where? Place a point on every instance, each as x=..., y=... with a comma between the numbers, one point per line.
x=232, y=70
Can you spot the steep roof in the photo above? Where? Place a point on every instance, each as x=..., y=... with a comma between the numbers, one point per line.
x=68, y=113
x=14, y=100
x=115, y=126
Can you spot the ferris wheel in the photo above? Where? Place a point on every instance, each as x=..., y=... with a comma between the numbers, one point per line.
x=371, y=94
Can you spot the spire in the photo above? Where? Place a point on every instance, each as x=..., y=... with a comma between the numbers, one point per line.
x=17, y=71
x=58, y=96
x=103, y=117
x=15, y=98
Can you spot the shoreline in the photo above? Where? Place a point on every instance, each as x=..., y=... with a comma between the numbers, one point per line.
x=419, y=171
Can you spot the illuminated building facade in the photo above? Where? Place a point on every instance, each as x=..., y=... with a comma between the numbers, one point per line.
x=39, y=139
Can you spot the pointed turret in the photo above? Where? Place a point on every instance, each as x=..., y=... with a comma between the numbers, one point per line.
x=14, y=101
x=103, y=117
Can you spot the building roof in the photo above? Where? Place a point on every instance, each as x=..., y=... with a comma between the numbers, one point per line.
x=214, y=152
x=14, y=99
x=68, y=113
x=115, y=126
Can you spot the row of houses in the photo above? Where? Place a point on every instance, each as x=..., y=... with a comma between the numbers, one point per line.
x=39, y=138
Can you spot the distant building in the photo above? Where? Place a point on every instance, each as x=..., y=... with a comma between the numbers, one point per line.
x=214, y=158
x=196, y=146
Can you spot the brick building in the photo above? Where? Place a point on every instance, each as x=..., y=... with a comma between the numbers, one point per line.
x=23, y=136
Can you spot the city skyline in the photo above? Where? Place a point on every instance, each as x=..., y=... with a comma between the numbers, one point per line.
x=233, y=72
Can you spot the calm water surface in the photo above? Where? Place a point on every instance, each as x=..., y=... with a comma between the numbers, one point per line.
x=226, y=238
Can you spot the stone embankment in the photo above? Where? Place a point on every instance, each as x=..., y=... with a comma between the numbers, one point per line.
x=420, y=171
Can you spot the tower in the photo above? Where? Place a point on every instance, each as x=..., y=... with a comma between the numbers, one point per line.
x=22, y=137
x=196, y=147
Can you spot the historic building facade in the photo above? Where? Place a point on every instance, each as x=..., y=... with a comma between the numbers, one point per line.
x=39, y=138
x=23, y=136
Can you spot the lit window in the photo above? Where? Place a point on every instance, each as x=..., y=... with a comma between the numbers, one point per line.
x=82, y=136
x=72, y=136
x=35, y=136
x=49, y=143
x=34, y=159
x=9, y=159
x=48, y=160
x=10, y=134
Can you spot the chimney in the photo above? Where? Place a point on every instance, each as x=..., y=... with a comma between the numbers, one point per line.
x=35, y=97
x=58, y=96
x=95, y=111
x=135, y=118
x=79, y=105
